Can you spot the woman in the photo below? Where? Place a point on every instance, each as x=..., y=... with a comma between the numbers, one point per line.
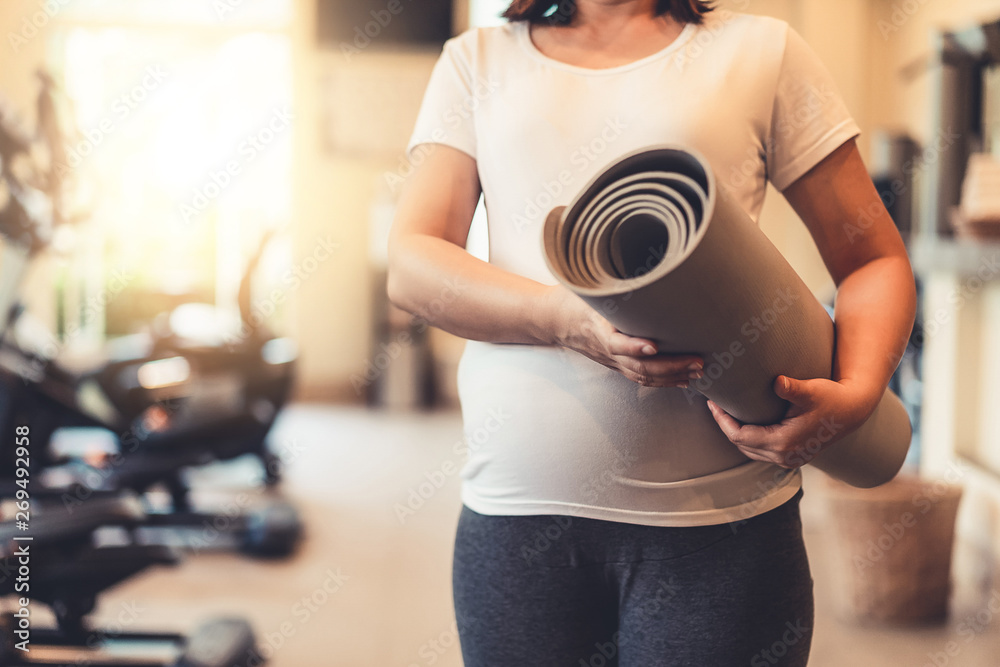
x=611, y=515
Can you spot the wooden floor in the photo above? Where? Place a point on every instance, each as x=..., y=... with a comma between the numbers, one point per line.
x=371, y=587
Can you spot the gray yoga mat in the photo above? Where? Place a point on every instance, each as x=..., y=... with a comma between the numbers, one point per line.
x=655, y=246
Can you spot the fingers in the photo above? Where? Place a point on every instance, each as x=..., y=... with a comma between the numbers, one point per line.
x=641, y=357
x=662, y=370
x=740, y=434
x=629, y=346
x=760, y=443
x=639, y=360
x=665, y=365
x=642, y=378
x=726, y=421
x=768, y=456
x=796, y=392
x=681, y=381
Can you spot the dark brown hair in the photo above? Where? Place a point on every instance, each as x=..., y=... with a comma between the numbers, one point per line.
x=560, y=12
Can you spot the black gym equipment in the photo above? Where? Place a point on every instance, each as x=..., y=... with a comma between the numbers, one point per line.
x=60, y=566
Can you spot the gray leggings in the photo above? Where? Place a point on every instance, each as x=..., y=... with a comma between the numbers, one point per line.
x=565, y=591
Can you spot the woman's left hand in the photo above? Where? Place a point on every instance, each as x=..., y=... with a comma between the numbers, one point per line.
x=821, y=412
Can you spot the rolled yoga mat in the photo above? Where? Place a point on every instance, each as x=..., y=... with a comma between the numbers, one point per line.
x=661, y=251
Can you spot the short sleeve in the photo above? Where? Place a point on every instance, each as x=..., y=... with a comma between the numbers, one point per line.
x=809, y=119
x=447, y=113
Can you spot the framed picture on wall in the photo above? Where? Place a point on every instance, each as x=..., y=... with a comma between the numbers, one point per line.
x=385, y=23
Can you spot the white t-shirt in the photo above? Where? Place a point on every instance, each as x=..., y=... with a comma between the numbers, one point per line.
x=548, y=430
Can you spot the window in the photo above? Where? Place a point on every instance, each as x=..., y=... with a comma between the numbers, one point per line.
x=484, y=13
x=185, y=119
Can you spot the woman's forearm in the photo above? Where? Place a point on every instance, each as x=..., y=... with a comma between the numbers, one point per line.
x=439, y=281
x=874, y=315
x=452, y=290
x=431, y=275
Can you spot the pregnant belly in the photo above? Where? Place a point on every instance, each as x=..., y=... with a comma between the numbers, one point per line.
x=548, y=420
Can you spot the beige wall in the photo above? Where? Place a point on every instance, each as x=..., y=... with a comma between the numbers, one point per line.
x=335, y=192
x=17, y=69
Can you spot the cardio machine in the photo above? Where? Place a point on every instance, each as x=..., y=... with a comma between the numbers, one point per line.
x=62, y=568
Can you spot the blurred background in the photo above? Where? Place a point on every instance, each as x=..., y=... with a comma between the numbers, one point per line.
x=240, y=452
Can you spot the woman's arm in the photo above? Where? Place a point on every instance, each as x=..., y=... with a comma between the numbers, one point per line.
x=432, y=275
x=875, y=309
x=876, y=293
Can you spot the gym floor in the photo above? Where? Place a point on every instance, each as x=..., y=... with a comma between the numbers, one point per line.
x=368, y=589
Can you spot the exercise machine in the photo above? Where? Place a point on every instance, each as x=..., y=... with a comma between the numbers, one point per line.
x=60, y=566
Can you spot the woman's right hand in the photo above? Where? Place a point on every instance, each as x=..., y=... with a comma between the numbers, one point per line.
x=571, y=323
